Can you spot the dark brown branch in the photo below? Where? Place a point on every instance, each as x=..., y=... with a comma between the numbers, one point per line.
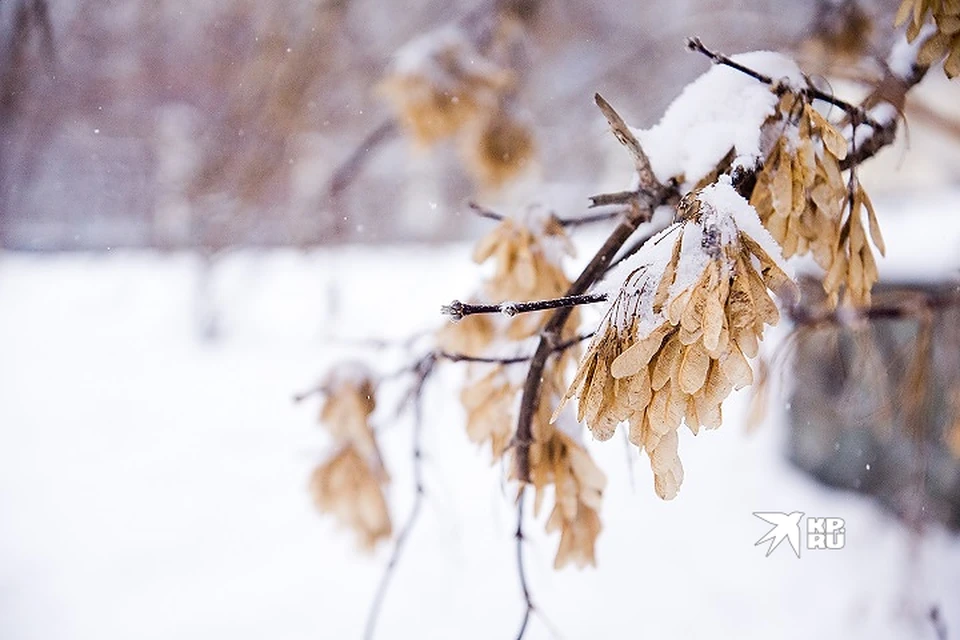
x=423, y=370
x=857, y=113
x=651, y=195
x=892, y=90
x=459, y=310
x=460, y=357
x=603, y=216
x=553, y=329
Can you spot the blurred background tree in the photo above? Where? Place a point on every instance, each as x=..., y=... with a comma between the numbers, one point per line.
x=218, y=124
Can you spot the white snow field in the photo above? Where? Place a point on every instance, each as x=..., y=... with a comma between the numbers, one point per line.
x=153, y=484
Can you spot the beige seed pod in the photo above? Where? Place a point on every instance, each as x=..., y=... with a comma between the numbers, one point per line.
x=346, y=486
x=350, y=484
x=556, y=459
x=498, y=149
x=440, y=83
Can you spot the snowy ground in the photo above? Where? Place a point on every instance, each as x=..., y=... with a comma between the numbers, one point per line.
x=152, y=485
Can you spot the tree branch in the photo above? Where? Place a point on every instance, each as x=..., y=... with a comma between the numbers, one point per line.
x=460, y=357
x=459, y=310
x=521, y=571
x=628, y=140
x=858, y=113
x=635, y=246
x=423, y=370
x=603, y=216
x=650, y=195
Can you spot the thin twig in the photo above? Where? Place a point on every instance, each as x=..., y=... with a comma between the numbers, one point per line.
x=460, y=357
x=458, y=310
x=628, y=140
x=483, y=212
x=617, y=197
x=424, y=369
x=939, y=626
x=521, y=571
x=603, y=216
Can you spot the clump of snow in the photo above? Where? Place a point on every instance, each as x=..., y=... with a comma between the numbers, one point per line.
x=903, y=55
x=721, y=110
x=694, y=258
x=721, y=196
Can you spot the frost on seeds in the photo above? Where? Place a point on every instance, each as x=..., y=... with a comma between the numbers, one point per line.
x=721, y=110
x=676, y=338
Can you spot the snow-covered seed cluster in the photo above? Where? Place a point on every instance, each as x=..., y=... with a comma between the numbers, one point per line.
x=801, y=197
x=527, y=251
x=676, y=339
x=350, y=484
x=944, y=44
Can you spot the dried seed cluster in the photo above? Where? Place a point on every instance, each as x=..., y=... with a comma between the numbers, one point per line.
x=527, y=255
x=498, y=149
x=676, y=339
x=440, y=82
x=441, y=85
x=350, y=484
x=557, y=459
x=944, y=44
x=801, y=197
x=854, y=265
